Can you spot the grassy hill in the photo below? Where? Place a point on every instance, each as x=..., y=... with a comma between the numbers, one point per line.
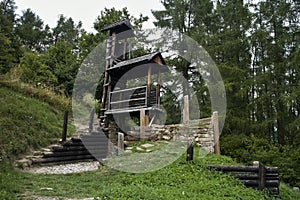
x=26, y=123
x=29, y=122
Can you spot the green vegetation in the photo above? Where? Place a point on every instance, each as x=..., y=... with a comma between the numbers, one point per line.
x=255, y=46
x=180, y=180
x=26, y=123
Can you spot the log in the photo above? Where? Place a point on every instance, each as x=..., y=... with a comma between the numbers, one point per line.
x=233, y=168
x=246, y=176
x=61, y=159
x=65, y=153
x=269, y=183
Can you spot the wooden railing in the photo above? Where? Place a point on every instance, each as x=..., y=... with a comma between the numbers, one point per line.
x=136, y=97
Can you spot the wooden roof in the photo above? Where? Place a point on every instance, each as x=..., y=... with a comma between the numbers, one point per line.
x=154, y=59
x=119, y=27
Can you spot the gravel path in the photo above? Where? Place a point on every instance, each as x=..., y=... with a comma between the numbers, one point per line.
x=65, y=168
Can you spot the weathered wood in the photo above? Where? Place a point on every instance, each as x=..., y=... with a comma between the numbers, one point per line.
x=268, y=183
x=158, y=88
x=121, y=141
x=91, y=121
x=65, y=127
x=65, y=153
x=190, y=152
x=61, y=159
x=261, y=175
x=215, y=120
x=186, y=112
x=233, y=168
x=142, y=122
x=257, y=177
x=246, y=176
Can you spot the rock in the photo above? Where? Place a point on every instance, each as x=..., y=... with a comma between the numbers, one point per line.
x=49, y=189
x=147, y=145
x=165, y=137
x=139, y=149
x=296, y=189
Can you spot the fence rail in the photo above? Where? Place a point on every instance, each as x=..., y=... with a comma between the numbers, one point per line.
x=258, y=177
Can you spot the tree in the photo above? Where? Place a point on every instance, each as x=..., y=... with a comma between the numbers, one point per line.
x=9, y=7
x=66, y=30
x=10, y=47
x=63, y=63
x=34, y=71
x=30, y=29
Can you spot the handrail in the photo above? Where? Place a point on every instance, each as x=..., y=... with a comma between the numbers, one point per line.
x=128, y=89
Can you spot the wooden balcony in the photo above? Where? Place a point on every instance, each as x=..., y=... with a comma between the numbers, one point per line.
x=132, y=99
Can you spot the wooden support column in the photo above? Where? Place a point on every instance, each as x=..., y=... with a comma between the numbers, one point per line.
x=262, y=176
x=65, y=127
x=142, y=123
x=121, y=141
x=91, y=121
x=186, y=112
x=215, y=121
x=148, y=84
x=158, y=88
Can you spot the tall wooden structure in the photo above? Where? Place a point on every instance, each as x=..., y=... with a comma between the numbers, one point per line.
x=122, y=93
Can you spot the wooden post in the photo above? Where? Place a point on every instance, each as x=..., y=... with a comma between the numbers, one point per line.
x=190, y=152
x=65, y=127
x=158, y=88
x=186, y=112
x=261, y=176
x=148, y=86
x=120, y=141
x=142, y=123
x=91, y=122
x=215, y=122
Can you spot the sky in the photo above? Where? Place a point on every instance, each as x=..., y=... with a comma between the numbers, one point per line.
x=87, y=10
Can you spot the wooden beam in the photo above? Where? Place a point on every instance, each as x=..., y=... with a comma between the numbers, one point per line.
x=186, y=112
x=120, y=141
x=142, y=122
x=216, y=132
x=158, y=88
x=65, y=127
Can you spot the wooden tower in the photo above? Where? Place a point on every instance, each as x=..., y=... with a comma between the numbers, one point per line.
x=120, y=96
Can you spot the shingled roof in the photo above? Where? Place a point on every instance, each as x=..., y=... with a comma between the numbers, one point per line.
x=139, y=60
x=118, y=27
x=122, y=67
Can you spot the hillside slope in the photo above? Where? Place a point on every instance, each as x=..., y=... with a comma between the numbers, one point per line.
x=26, y=123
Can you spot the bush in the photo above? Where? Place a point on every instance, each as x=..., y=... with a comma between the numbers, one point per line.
x=246, y=149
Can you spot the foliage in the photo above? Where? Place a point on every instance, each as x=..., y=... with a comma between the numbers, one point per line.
x=179, y=180
x=26, y=123
x=247, y=149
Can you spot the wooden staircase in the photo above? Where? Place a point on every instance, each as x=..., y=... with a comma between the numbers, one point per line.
x=86, y=148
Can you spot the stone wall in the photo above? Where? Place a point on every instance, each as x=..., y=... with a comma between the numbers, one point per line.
x=200, y=131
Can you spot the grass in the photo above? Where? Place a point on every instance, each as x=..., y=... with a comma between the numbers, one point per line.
x=26, y=123
x=180, y=180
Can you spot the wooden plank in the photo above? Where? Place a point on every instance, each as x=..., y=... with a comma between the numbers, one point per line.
x=65, y=127
x=65, y=153
x=215, y=121
x=121, y=141
x=246, y=176
x=142, y=122
x=261, y=175
x=233, y=168
x=186, y=112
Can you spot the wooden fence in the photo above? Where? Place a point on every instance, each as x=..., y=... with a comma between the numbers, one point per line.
x=258, y=177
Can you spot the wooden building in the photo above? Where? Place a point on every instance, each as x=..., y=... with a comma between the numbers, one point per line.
x=131, y=85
